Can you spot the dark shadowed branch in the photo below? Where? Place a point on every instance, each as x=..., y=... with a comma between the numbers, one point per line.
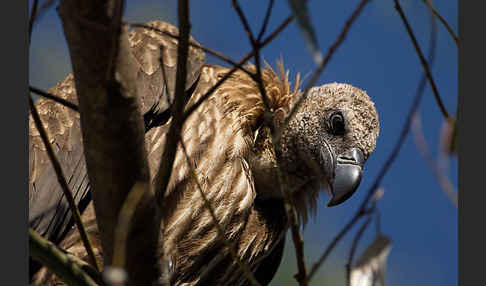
x=69, y=269
x=265, y=21
x=33, y=14
x=170, y=148
x=442, y=20
x=112, y=124
x=422, y=60
x=54, y=98
x=62, y=181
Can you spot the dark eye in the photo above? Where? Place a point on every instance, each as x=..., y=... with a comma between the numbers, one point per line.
x=337, y=124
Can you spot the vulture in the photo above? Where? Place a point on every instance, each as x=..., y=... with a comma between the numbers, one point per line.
x=229, y=143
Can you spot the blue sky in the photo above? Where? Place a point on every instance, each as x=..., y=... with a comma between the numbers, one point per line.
x=377, y=56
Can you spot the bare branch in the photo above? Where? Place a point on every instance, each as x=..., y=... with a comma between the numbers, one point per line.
x=265, y=21
x=422, y=60
x=442, y=20
x=54, y=98
x=69, y=270
x=64, y=185
x=258, y=76
x=244, y=21
x=33, y=14
x=113, y=131
x=170, y=148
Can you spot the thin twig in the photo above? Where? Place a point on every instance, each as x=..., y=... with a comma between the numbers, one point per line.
x=63, y=183
x=354, y=246
x=33, y=15
x=265, y=21
x=442, y=20
x=170, y=148
x=257, y=77
x=246, y=271
x=63, y=265
x=362, y=210
x=54, y=98
x=297, y=239
x=422, y=60
x=244, y=21
x=317, y=73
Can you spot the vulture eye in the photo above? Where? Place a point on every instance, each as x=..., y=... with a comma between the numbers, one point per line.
x=337, y=124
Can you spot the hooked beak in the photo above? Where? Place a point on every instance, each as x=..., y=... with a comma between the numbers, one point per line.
x=347, y=176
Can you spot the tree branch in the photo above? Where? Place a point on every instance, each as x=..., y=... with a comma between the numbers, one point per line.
x=170, y=148
x=65, y=267
x=54, y=98
x=113, y=133
x=422, y=60
x=64, y=185
x=442, y=20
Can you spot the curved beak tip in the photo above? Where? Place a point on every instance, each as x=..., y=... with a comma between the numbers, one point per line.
x=347, y=178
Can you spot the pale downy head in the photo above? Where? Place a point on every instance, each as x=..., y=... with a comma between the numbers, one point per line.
x=328, y=141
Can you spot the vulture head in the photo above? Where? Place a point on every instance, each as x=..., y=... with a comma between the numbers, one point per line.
x=327, y=143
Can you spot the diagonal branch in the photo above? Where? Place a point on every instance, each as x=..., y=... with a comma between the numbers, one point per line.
x=265, y=21
x=170, y=148
x=33, y=15
x=442, y=20
x=54, y=98
x=67, y=268
x=244, y=21
x=64, y=185
x=422, y=60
